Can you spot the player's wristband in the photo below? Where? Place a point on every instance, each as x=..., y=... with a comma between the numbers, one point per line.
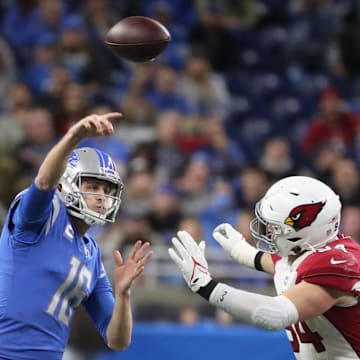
x=205, y=291
x=257, y=261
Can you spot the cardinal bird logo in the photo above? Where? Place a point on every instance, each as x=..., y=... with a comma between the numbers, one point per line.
x=303, y=215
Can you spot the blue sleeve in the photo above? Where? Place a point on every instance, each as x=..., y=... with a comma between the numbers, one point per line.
x=100, y=305
x=34, y=209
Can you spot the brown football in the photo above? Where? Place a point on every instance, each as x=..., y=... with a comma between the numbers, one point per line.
x=138, y=38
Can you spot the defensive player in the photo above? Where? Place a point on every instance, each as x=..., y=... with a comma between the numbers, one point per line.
x=316, y=270
x=48, y=262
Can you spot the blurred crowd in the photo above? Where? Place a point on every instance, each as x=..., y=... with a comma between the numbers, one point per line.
x=247, y=92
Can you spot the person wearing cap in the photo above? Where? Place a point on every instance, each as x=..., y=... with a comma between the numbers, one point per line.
x=334, y=125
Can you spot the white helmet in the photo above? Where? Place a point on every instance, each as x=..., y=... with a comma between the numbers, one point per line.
x=297, y=213
x=84, y=163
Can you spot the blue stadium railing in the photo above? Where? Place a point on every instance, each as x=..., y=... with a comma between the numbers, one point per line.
x=155, y=341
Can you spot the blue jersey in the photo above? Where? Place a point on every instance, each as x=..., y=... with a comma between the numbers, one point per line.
x=46, y=270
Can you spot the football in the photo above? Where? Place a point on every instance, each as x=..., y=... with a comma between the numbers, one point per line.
x=138, y=38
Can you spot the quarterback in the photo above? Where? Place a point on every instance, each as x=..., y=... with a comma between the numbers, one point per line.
x=316, y=270
x=49, y=264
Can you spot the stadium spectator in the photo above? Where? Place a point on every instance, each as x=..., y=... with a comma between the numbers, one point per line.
x=12, y=132
x=99, y=16
x=242, y=223
x=298, y=242
x=50, y=16
x=276, y=159
x=37, y=73
x=18, y=102
x=133, y=227
x=59, y=80
x=169, y=15
x=314, y=29
x=195, y=187
x=21, y=15
x=334, y=125
x=349, y=42
x=164, y=94
x=8, y=70
x=191, y=137
x=206, y=91
x=181, y=11
x=250, y=186
x=39, y=138
x=82, y=55
x=46, y=251
x=350, y=225
x=139, y=124
x=141, y=187
x=75, y=104
x=345, y=180
x=210, y=38
x=324, y=160
x=53, y=95
x=223, y=318
x=169, y=160
x=225, y=156
x=189, y=316
x=165, y=215
x=220, y=208
x=192, y=225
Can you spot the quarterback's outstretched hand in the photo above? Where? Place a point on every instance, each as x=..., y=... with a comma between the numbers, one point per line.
x=190, y=258
x=235, y=244
x=127, y=271
x=95, y=125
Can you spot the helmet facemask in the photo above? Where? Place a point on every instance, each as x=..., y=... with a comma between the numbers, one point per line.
x=268, y=234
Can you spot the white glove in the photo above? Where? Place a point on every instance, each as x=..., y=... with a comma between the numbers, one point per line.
x=235, y=244
x=191, y=261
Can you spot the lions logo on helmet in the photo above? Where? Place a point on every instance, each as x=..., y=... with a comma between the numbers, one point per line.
x=73, y=160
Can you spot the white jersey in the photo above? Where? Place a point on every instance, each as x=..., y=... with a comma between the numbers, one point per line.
x=335, y=335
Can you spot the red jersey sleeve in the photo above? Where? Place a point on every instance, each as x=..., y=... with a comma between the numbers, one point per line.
x=336, y=265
